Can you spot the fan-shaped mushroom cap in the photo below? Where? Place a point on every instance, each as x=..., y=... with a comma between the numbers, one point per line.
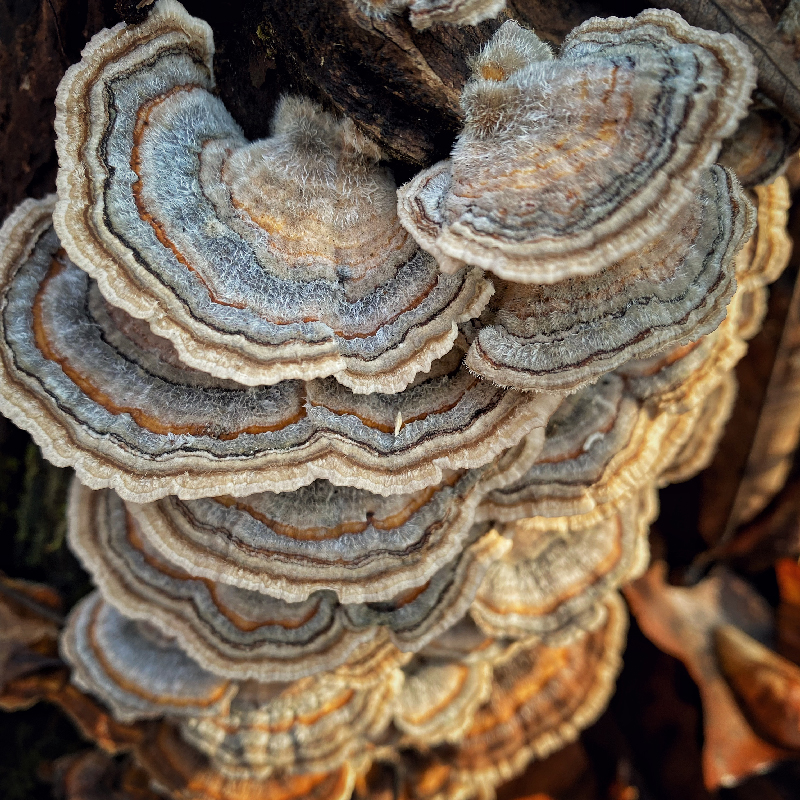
x=424, y=13
x=551, y=584
x=699, y=448
x=134, y=669
x=187, y=774
x=601, y=446
x=312, y=725
x=541, y=699
x=765, y=255
x=262, y=262
x=670, y=292
x=681, y=378
x=363, y=546
x=439, y=699
x=244, y=634
x=762, y=260
x=100, y=393
x=751, y=309
x=760, y=147
x=416, y=617
x=560, y=170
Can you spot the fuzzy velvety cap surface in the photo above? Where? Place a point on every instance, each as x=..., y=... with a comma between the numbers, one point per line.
x=136, y=671
x=567, y=165
x=670, y=292
x=552, y=583
x=542, y=697
x=265, y=261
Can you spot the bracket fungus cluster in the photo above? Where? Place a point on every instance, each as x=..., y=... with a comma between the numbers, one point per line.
x=359, y=470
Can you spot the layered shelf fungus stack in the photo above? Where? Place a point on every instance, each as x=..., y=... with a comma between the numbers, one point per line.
x=360, y=470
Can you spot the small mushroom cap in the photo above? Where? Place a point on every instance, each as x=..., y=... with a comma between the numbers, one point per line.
x=551, y=584
x=362, y=546
x=244, y=634
x=136, y=671
x=699, y=448
x=187, y=774
x=681, y=378
x=560, y=170
x=602, y=445
x=670, y=292
x=439, y=699
x=274, y=260
x=541, y=699
x=424, y=13
x=312, y=725
x=100, y=393
x=766, y=254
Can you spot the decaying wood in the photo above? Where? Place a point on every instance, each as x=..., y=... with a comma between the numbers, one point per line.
x=401, y=86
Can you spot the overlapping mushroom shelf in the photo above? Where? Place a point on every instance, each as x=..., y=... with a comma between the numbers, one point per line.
x=359, y=471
